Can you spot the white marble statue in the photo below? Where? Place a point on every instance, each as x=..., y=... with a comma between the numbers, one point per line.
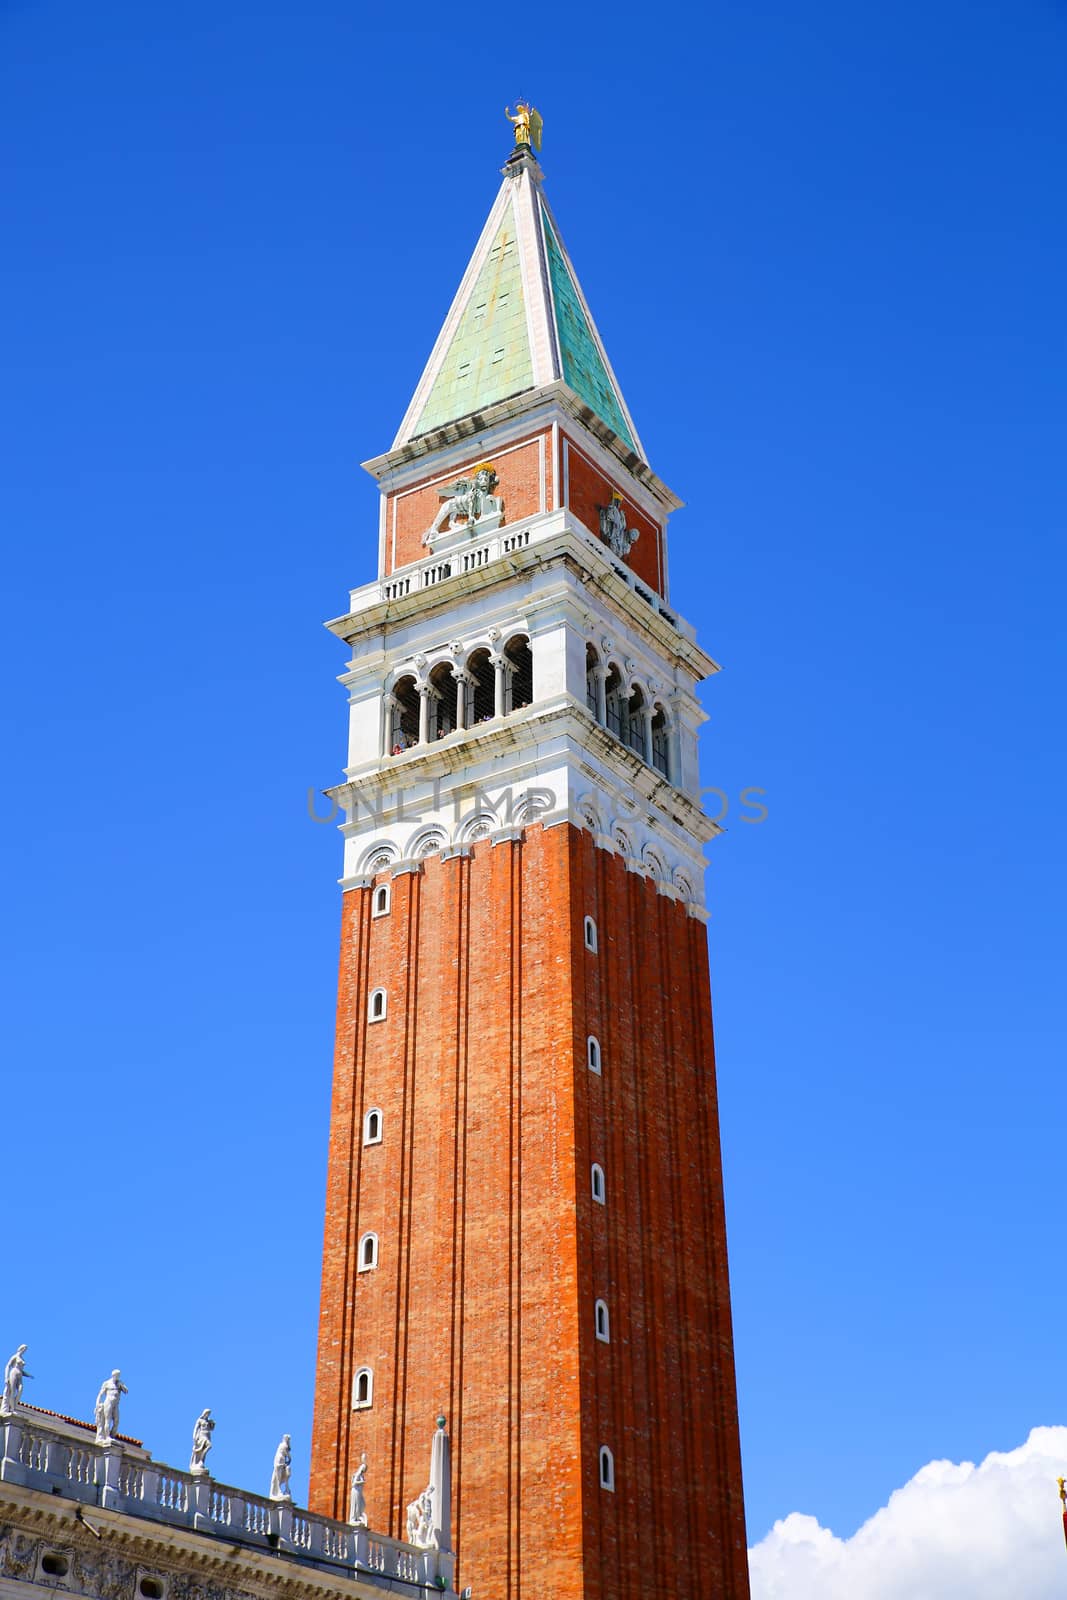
x=14, y=1373
x=357, y=1504
x=203, y=1428
x=613, y=530
x=283, y=1461
x=420, y=1519
x=106, y=1410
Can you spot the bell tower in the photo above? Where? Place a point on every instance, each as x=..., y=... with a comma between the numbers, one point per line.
x=524, y=1220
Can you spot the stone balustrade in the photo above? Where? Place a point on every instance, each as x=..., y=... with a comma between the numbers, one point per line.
x=495, y=546
x=38, y=1455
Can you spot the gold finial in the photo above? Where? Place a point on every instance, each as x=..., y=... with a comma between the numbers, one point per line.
x=1063, y=1491
x=527, y=123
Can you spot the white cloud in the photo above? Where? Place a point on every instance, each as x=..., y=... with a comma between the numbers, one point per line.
x=955, y=1532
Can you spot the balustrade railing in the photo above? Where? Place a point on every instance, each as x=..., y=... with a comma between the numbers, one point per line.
x=33, y=1452
x=37, y=1457
x=481, y=553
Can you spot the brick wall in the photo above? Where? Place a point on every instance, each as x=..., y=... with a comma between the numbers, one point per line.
x=492, y=1251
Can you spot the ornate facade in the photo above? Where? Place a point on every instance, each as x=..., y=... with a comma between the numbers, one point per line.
x=91, y=1513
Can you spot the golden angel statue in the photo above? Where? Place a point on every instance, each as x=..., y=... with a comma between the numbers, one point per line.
x=527, y=123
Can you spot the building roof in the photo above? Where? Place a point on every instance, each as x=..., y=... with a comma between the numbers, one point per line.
x=519, y=320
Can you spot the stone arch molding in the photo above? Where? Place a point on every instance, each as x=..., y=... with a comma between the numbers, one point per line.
x=456, y=653
x=378, y=857
x=653, y=859
x=480, y=826
x=427, y=842
x=654, y=693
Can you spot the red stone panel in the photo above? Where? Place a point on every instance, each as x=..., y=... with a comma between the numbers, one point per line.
x=409, y=513
x=587, y=488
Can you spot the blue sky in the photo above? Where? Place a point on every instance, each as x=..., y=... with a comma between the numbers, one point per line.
x=825, y=247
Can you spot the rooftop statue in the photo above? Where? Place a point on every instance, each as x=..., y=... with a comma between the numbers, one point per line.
x=14, y=1373
x=420, y=1519
x=527, y=124
x=203, y=1428
x=357, y=1504
x=106, y=1410
x=283, y=1461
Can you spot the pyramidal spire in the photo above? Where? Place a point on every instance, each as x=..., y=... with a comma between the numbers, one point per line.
x=519, y=319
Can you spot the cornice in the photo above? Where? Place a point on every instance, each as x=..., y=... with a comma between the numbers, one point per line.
x=567, y=548
x=522, y=735
x=95, y=1531
x=556, y=396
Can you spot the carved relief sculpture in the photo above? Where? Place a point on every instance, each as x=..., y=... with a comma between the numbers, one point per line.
x=467, y=502
x=613, y=530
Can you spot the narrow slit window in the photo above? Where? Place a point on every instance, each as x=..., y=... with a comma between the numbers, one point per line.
x=593, y=1054
x=372, y=1126
x=377, y=1005
x=590, y=935
x=603, y=1322
x=607, y=1469
x=598, y=1186
x=381, y=901
x=368, y=1252
x=362, y=1389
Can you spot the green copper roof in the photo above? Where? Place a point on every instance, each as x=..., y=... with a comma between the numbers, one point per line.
x=489, y=357
x=583, y=366
x=518, y=322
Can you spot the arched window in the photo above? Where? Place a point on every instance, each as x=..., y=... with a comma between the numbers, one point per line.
x=661, y=748
x=481, y=688
x=362, y=1389
x=372, y=1127
x=590, y=935
x=381, y=901
x=368, y=1252
x=603, y=1322
x=518, y=659
x=376, y=1008
x=607, y=1468
x=404, y=721
x=592, y=661
x=634, y=734
x=599, y=1192
x=615, y=702
x=442, y=701
x=592, y=1047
